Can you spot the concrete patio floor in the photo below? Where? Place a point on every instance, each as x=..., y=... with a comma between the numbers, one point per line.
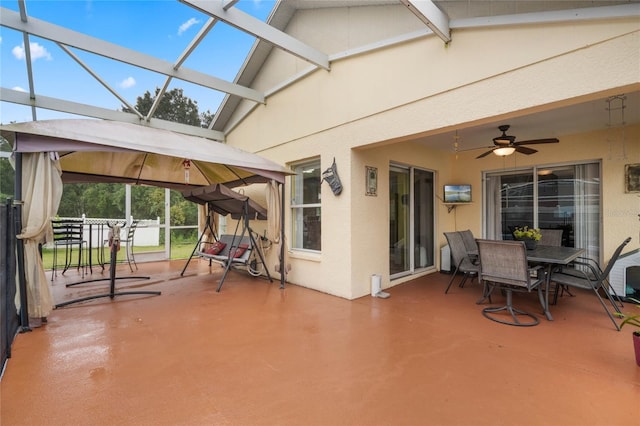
x=254, y=354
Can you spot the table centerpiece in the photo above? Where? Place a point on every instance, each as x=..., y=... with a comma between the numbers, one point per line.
x=530, y=236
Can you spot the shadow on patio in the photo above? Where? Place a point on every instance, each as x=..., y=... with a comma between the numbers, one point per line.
x=257, y=355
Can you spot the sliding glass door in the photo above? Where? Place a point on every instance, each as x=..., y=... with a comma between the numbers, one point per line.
x=411, y=222
x=563, y=197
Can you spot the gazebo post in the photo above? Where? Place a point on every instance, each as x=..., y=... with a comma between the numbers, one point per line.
x=22, y=281
x=282, y=244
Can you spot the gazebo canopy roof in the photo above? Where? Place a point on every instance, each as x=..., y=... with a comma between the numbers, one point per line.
x=225, y=201
x=109, y=151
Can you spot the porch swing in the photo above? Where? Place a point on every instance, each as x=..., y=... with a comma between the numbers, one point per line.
x=242, y=248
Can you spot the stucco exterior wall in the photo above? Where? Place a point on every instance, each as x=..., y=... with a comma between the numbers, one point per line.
x=369, y=110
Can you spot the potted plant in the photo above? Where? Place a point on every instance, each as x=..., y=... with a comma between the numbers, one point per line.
x=635, y=321
x=530, y=236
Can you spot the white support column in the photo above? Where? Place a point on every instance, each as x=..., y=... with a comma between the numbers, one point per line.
x=167, y=223
x=127, y=204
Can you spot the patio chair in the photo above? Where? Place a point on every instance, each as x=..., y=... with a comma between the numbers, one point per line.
x=551, y=237
x=67, y=234
x=470, y=243
x=131, y=231
x=461, y=259
x=586, y=274
x=504, y=264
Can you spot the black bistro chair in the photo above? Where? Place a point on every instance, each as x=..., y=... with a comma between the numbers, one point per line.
x=131, y=232
x=67, y=234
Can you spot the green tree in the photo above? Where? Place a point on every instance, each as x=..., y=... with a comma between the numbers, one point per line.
x=174, y=106
x=104, y=200
x=147, y=202
x=7, y=173
x=206, y=118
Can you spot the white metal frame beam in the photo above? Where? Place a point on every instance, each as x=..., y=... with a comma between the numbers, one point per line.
x=183, y=57
x=11, y=19
x=55, y=104
x=262, y=30
x=556, y=16
x=434, y=18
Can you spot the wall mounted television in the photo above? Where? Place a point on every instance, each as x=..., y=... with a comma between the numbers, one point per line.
x=457, y=193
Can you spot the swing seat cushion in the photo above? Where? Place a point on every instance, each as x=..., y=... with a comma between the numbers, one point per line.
x=233, y=249
x=239, y=251
x=216, y=247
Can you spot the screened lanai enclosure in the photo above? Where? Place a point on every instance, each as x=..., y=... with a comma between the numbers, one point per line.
x=297, y=82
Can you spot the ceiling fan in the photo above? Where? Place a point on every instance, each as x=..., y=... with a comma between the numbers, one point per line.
x=507, y=145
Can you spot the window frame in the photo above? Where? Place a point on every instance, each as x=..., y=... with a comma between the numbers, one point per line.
x=297, y=208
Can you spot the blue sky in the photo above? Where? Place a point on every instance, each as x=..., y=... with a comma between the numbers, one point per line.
x=161, y=28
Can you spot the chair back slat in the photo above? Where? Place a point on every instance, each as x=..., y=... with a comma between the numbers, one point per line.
x=67, y=231
x=132, y=230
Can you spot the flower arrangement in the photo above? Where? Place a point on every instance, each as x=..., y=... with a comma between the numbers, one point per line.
x=527, y=233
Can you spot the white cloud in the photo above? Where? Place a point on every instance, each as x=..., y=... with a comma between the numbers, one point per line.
x=184, y=27
x=19, y=89
x=127, y=83
x=37, y=51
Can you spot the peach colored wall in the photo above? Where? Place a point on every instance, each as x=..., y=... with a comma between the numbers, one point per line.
x=369, y=108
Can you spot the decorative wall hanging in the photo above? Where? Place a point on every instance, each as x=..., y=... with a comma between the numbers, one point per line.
x=332, y=178
x=372, y=181
x=632, y=177
x=616, y=127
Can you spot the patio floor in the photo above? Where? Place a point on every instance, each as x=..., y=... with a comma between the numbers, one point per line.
x=254, y=354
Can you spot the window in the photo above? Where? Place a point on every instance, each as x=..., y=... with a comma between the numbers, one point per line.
x=305, y=206
x=563, y=197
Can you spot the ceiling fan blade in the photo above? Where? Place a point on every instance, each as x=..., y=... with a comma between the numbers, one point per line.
x=525, y=150
x=485, y=154
x=537, y=141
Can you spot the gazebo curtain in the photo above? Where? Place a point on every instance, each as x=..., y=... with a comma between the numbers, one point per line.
x=274, y=226
x=41, y=194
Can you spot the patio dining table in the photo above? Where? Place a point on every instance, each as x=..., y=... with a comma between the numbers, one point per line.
x=552, y=256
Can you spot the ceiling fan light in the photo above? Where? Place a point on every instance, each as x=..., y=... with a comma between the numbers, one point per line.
x=504, y=151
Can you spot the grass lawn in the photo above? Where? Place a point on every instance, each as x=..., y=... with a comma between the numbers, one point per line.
x=178, y=251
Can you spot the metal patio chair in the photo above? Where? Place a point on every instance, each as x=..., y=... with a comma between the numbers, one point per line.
x=131, y=231
x=585, y=273
x=67, y=234
x=551, y=237
x=461, y=259
x=470, y=243
x=504, y=264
